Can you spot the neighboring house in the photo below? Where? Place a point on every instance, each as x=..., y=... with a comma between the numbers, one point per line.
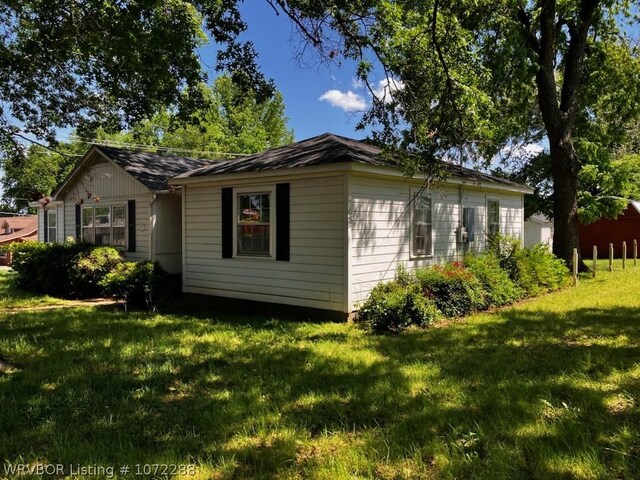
x=538, y=228
x=320, y=222
x=602, y=232
x=121, y=198
x=16, y=229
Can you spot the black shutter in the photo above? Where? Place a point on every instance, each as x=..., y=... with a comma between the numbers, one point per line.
x=283, y=218
x=46, y=225
x=227, y=222
x=131, y=221
x=78, y=222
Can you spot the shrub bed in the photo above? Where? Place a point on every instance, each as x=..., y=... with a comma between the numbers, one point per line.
x=81, y=270
x=393, y=306
x=501, y=275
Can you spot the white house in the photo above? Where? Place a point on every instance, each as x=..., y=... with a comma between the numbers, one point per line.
x=121, y=198
x=318, y=223
x=538, y=229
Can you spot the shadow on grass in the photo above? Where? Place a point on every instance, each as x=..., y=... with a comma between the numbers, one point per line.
x=527, y=395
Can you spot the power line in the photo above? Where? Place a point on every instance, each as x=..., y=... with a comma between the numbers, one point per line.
x=139, y=146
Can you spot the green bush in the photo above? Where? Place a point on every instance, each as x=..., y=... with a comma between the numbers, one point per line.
x=44, y=267
x=539, y=271
x=499, y=289
x=392, y=307
x=454, y=289
x=137, y=284
x=534, y=270
x=90, y=267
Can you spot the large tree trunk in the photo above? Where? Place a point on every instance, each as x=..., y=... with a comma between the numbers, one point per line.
x=565, y=167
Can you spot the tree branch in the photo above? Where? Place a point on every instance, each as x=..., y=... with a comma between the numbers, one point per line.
x=574, y=58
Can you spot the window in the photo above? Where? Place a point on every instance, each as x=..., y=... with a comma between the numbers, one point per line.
x=253, y=224
x=104, y=225
x=493, y=217
x=421, y=226
x=52, y=225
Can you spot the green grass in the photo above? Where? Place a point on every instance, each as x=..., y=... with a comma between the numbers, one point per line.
x=547, y=389
x=12, y=297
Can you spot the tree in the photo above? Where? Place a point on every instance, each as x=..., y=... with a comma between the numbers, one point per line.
x=233, y=122
x=112, y=63
x=468, y=78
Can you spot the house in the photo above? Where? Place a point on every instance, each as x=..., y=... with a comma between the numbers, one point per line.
x=16, y=229
x=538, y=229
x=121, y=198
x=602, y=232
x=320, y=222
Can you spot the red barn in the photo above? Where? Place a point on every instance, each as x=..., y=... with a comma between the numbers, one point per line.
x=602, y=232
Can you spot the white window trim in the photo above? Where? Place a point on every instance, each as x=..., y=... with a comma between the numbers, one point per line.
x=413, y=196
x=111, y=226
x=497, y=200
x=271, y=190
x=49, y=213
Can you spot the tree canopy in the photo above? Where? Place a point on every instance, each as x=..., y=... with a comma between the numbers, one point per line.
x=468, y=78
x=112, y=63
x=234, y=121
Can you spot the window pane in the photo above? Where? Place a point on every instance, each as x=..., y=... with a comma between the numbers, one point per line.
x=103, y=236
x=253, y=208
x=253, y=240
x=102, y=216
x=118, y=236
x=493, y=217
x=422, y=241
x=52, y=219
x=87, y=217
x=119, y=216
x=52, y=235
x=87, y=235
x=422, y=209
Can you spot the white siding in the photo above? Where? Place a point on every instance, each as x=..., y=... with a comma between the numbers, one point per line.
x=379, y=222
x=167, y=221
x=109, y=185
x=314, y=276
x=40, y=224
x=102, y=179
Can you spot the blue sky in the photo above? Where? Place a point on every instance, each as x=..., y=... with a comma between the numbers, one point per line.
x=302, y=86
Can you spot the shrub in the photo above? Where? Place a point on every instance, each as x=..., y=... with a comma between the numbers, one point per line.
x=138, y=284
x=44, y=267
x=90, y=267
x=534, y=270
x=499, y=289
x=392, y=307
x=454, y=289
x=539, y=271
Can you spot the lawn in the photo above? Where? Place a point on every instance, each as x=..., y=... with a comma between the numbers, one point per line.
x=547, y=389
x=12, y=297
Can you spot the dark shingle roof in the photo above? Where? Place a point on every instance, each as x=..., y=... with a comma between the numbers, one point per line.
x=322, y=150
x=151, y=169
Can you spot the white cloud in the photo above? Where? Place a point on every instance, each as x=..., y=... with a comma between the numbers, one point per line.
x=347, y=101
x=357, y=84
x=386, y=87
x=525, y=151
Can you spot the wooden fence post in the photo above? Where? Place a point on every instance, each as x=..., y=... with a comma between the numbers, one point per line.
x=611, y=257
x=595, y=259
x=575, y=267
x=624, y=255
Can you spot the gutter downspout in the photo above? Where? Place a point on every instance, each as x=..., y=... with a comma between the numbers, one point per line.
x=152, y=227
